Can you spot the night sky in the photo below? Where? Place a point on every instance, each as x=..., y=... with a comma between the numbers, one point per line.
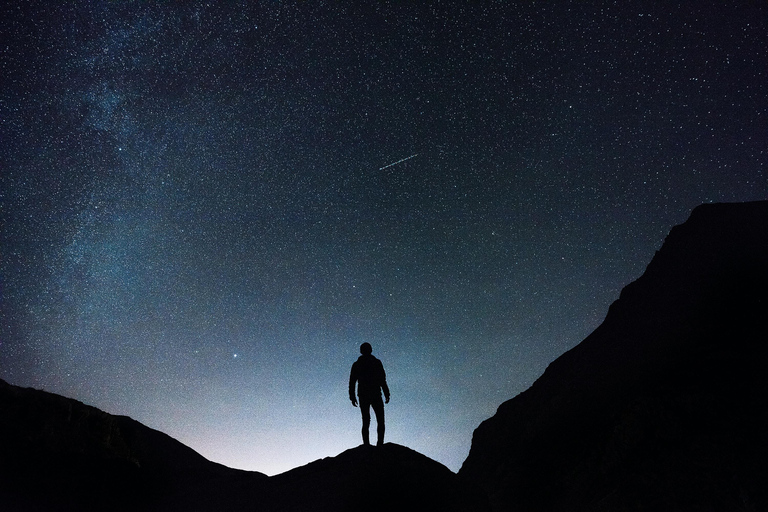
x=200, y=225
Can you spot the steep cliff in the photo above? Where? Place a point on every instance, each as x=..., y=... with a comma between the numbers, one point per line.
x=665, y=405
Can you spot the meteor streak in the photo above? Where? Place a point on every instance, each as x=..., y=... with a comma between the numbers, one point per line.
x=401, y=160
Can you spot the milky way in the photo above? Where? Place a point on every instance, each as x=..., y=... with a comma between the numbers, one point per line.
x=197, y=230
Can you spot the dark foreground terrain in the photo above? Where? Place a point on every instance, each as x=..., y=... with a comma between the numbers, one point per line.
x=663, y=407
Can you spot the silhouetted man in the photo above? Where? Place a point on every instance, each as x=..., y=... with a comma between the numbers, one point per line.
x=368, y=373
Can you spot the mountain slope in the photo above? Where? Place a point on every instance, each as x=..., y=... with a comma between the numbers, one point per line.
x=665, y=405
x=60, y=454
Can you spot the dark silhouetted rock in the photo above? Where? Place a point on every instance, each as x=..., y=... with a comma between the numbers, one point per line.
x=388, y=477
x=59, y=454
x=665, y=405
x=369, y=478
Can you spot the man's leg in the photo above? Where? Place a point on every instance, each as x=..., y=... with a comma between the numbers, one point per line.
x=365, y=409
x=378, y=409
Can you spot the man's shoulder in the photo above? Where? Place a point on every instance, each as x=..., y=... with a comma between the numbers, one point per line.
x=366, y=361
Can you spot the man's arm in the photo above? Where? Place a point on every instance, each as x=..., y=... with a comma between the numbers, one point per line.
x=352, y=381
x=384, y=386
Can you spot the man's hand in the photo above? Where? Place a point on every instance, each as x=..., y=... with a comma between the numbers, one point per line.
x=354, y=402
x=386, y=400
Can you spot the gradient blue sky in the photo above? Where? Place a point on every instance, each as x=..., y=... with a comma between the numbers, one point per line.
x=198, y=231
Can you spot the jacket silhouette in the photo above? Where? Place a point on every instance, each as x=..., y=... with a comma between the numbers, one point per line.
x=368, y=373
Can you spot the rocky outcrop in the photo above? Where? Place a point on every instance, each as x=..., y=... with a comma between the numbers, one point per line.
x=59, y=454
x=385, y=478
x=665, y=405
x=390, y=477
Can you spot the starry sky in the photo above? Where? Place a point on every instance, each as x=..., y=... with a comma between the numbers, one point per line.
x=200, y=222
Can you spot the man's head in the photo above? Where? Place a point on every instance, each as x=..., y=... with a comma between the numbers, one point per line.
x=366, y=349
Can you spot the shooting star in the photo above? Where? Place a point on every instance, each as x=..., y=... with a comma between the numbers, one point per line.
x=399, y=161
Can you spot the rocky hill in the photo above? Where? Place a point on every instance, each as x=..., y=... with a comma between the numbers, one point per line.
x=59, y=454
x=391, y=477
x=665, y=405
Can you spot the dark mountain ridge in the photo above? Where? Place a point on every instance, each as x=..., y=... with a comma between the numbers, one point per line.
x=665, y=405
x=60, y=454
